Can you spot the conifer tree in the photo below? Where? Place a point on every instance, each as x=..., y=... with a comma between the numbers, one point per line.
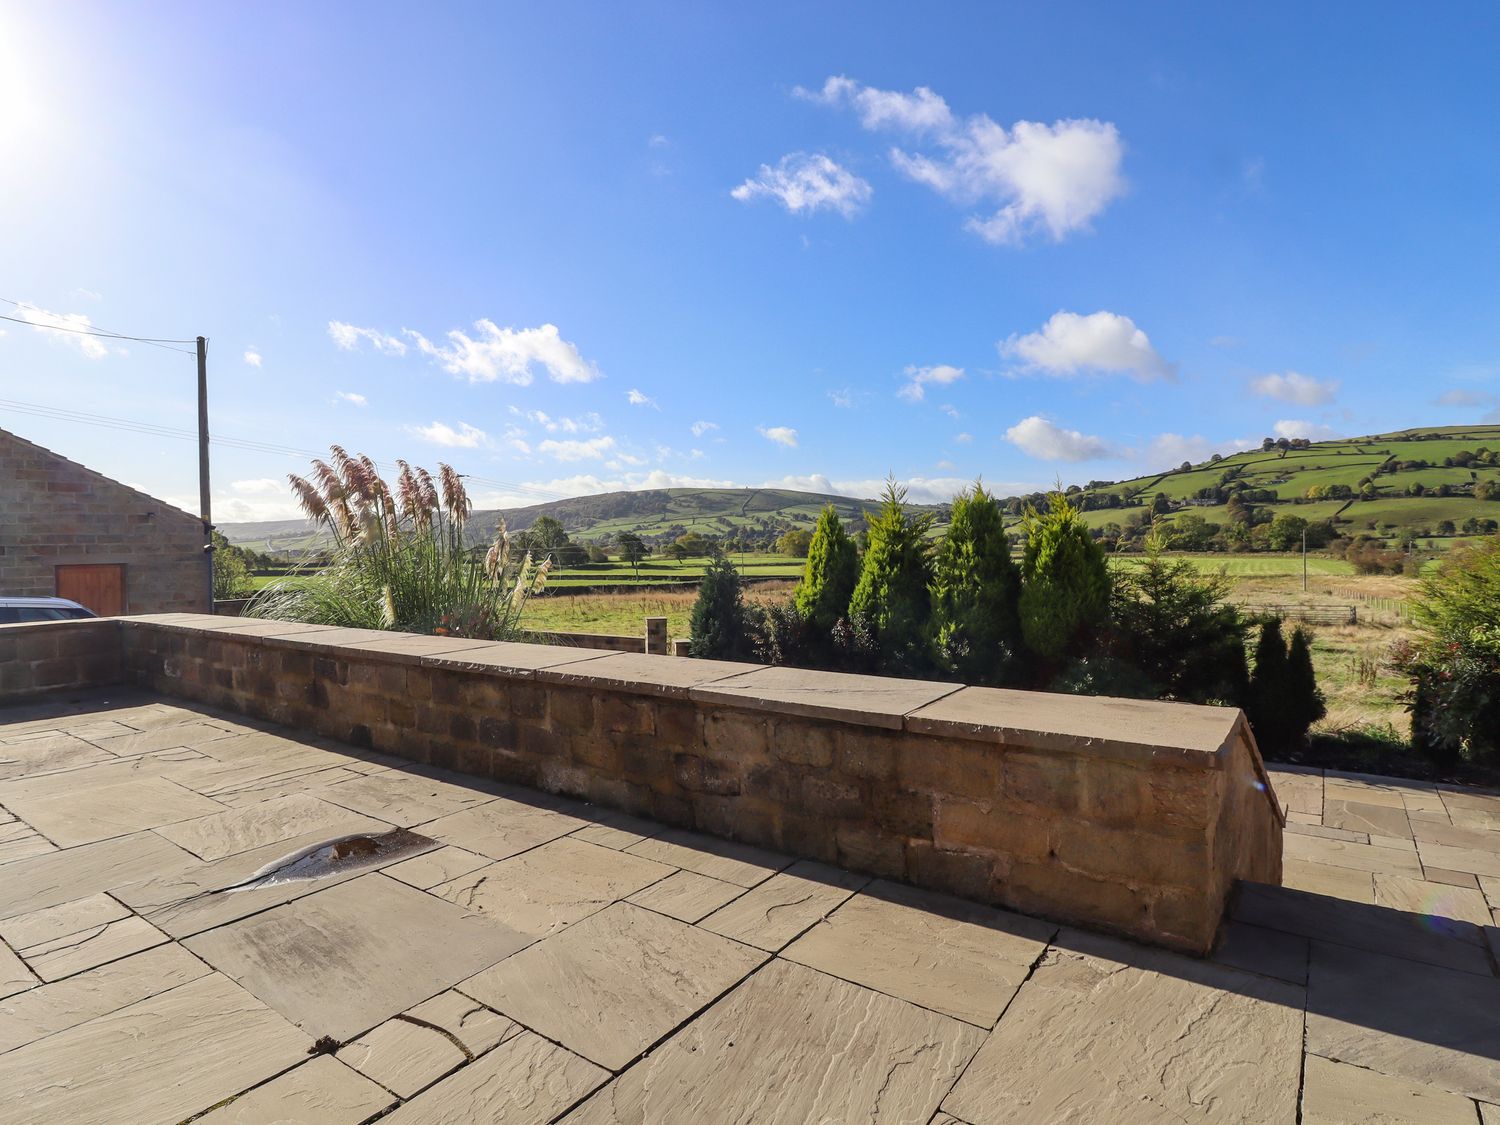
x=1302, y=682
x=975, y=588
x=1064, y=581
x=830, y=574
x=1270, y=706
x=721, y=628
x=891, y=595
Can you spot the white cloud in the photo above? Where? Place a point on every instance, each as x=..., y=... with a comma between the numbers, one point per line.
x=1070, y=343
x=1170, y=450
x=353, y=399
x=781, y=435
x=658, y=140
x=1293, y=387
x=439, y=433
x=1225, y=342
x=589, y=423
x=1054, y=178
x=1464, y=398
x=950, y=410
x=964, y=439
x=940, y=375
x=508, y=355
x=843, y=399
x=70, y=328
x=919, y=490
x=261, y=486
x=1050, y=442
x=1295, y=428
x=592, y=449
x=637, y=398
x=701, y=428
x=808, y=182
x=588, y=484
x=252, y=357
x=347, y=337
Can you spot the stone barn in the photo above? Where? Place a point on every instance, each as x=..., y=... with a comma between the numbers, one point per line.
x=68, y=531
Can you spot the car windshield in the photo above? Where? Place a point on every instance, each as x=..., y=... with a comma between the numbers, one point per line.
x=11, y=615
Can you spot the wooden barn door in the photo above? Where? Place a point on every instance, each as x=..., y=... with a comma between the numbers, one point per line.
x=97, y=586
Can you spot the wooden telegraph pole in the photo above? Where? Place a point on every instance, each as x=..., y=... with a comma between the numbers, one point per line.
x=204, y=501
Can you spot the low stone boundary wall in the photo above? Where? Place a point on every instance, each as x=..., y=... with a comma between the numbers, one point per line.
x=605, y=642
x=1120, y=815
x=48, y=656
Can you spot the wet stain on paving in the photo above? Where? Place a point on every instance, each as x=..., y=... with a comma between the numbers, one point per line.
x=340, y=856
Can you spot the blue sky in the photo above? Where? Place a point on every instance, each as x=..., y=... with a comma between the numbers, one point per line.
x=577, y=247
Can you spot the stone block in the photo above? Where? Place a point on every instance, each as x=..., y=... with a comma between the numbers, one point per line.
x=805, y=744
x=736, y=734
x=989, y=827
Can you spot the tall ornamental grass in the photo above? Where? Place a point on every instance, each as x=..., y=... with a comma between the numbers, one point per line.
x=398, y=559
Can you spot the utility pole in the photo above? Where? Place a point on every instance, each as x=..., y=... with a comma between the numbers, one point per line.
x=204, y=502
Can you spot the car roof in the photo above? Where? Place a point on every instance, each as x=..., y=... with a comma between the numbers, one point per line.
x=22, y=603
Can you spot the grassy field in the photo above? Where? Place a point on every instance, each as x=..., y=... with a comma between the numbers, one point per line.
x=1364, y=693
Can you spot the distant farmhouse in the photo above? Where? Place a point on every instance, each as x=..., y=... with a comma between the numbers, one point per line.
x=68, y=531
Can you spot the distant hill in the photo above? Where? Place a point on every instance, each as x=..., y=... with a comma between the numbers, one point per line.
x=1394, y=465
x=652, y=514
x=1415, y=479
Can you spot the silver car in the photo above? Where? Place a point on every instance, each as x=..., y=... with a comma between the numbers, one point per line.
x=15, y=610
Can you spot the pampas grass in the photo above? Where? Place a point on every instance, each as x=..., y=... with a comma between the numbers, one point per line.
x=399, y=561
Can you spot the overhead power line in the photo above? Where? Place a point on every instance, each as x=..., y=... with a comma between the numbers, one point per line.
x=153, y=429
x=103, y=334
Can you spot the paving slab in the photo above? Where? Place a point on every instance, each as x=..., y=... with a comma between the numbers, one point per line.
x=24, y=930
x=281, y=818
x=101, y=812
x=402, y=1056
x=1356, y=816
x=524, y=1081
x=61, y=957
x=48, y=755
x=342, y=960
x=404, y=799
x=687, y=896
x=38, y=882
x=541, y=891
x=1457, y=836
x=162, y=1059
x=437, y=866
x=21, y=841
x=322, y=1091
x=613, y=984
x=476, y=1027
x=1455, y=945
x=772, y=914
x=1107, y=1031
x=1482, y=819
x=1435, y=901
x=1336, y=1093
x=1357, y=857
x=1334, y=882
x=1374, y=792
x=792, y=1045
x=1270, y=953
x=14, y=975
x=616, y=830
x=1475, y=861
x=952, y=956
x=726, y=860
x=56, y=1007
x=503, y=827
x=1433, y=1026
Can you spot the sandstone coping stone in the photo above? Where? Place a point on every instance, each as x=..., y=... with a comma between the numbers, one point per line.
x=645, y=674
x=874, y=701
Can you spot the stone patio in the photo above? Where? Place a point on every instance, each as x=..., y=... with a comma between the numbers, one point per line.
x=547, y=960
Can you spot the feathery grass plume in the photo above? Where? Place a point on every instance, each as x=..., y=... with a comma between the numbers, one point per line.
x=308, y=498
x=399, y=561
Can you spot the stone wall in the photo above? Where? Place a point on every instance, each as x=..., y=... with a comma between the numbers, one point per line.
x=55, y=512
x=1120, y=815
x=53, y=656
